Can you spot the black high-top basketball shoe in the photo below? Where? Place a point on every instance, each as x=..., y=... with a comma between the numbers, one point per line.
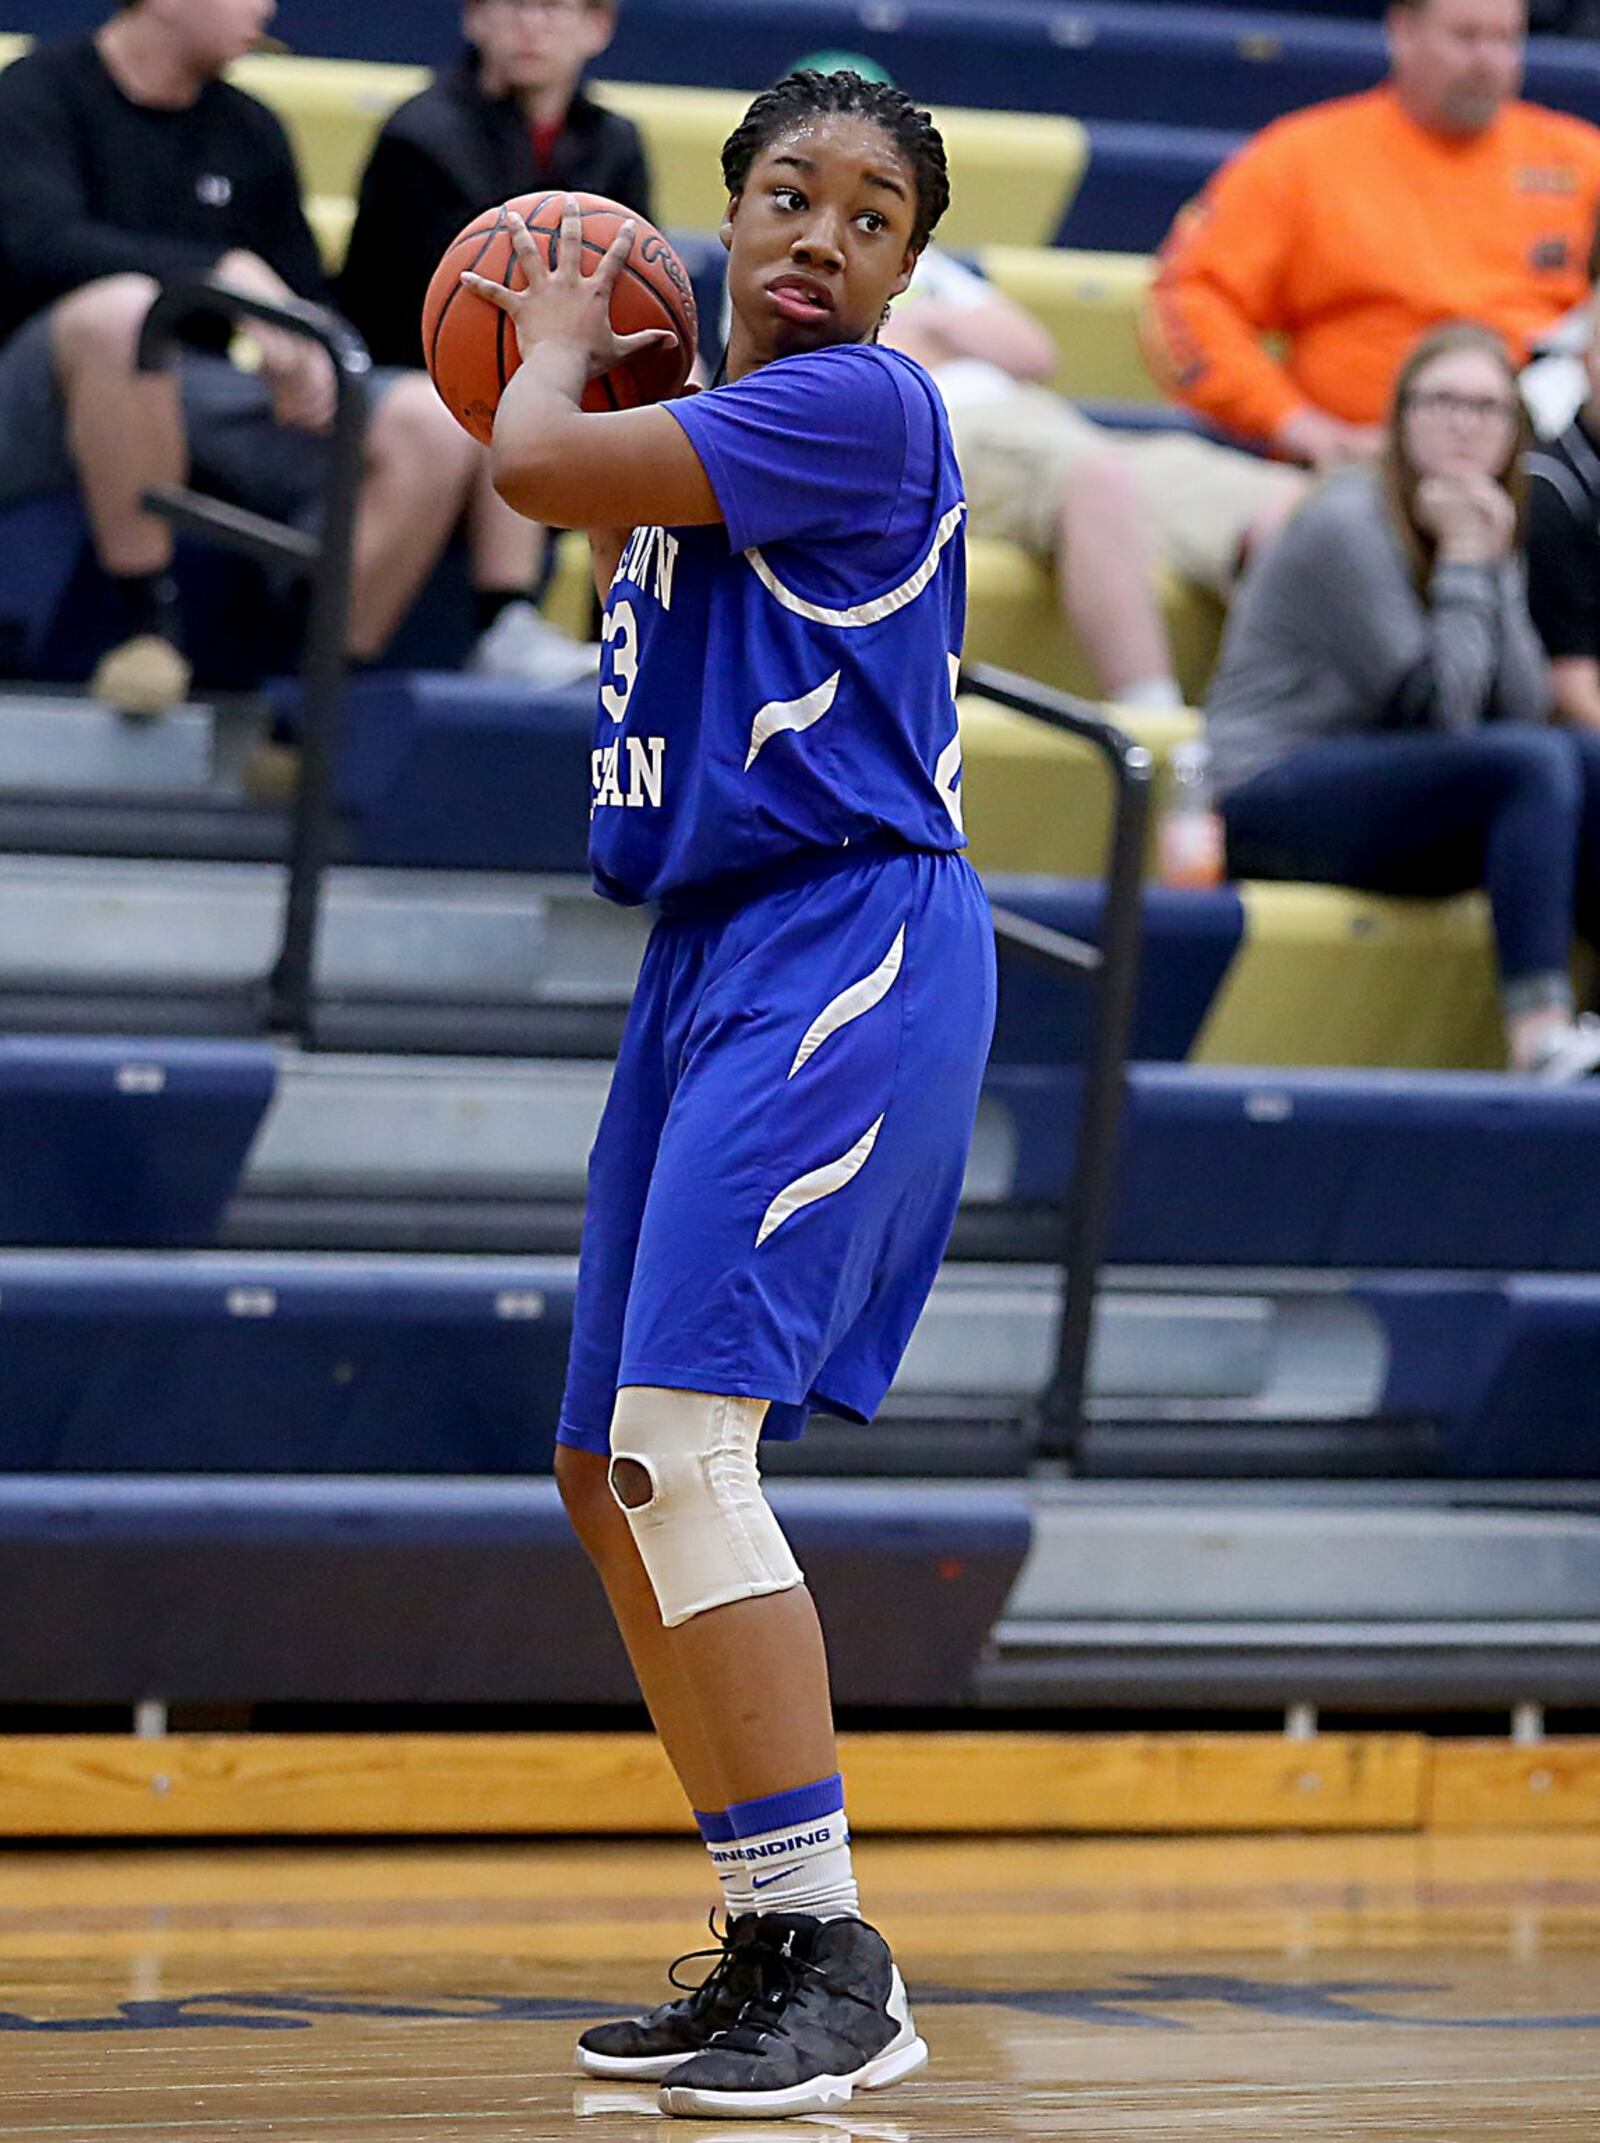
x=830, y=2016
x=647, y=2046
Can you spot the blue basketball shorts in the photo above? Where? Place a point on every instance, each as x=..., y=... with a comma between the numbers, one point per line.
x=777, y=1170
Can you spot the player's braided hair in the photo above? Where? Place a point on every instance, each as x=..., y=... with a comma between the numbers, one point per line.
x=808, y=95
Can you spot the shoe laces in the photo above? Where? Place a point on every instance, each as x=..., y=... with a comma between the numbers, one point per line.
x=783, y=1976
x=702, y=1992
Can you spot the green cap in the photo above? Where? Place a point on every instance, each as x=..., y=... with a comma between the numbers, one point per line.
x=870, y=70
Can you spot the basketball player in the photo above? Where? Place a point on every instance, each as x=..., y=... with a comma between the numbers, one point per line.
x=777, y=1171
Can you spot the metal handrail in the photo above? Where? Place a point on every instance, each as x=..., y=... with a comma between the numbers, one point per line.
x=1114, y=966
x=323, y=560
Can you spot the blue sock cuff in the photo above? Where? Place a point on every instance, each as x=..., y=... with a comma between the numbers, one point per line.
x=715, y=1827
x=775, y=1811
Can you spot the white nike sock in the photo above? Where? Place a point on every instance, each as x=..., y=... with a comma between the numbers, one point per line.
x=790, y=1853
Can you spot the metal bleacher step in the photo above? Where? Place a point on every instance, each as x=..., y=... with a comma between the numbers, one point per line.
x=73, y=746
x=1342, y=1594
x=366, y=1150
x=404, y=957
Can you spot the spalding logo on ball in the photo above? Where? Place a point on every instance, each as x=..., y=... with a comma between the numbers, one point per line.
x=471, y=347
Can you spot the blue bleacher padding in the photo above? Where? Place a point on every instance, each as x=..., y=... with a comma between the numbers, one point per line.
x=1465, y=1171
x=1180, y=65
x=1189, y=941
x=453, y=772
x=1108, y=59
x=446, y=1591
x=58, y=614
x=1137, y=179
x=111, y=1141
x=1506, y=1367
x=246, y=1365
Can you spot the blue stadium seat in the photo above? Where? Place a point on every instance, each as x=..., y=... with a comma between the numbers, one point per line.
x=1137, y=179
x=1506, y=1367
x=1180, y=65
x=454, y=772
x=265, y=1591
x=111, y=1141
x=1189, y=941
x=234, y=1364
x=1445, y=1171
x=58, y=614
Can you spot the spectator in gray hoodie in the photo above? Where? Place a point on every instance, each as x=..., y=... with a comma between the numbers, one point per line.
x=1379, y=716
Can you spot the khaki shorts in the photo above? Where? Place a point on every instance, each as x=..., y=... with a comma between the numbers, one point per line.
x=1200, y=501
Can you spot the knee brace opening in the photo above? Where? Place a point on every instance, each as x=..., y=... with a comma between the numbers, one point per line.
x=633, y=1485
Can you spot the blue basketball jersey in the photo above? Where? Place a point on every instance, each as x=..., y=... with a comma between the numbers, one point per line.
x=785, y=681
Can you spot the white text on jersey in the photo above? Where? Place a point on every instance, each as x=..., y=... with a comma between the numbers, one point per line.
x=650, y=561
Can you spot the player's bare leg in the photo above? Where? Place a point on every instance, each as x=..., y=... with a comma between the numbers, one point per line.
x=1106, y=572
x=728, y=1649
x=420, y=472
x=670, y=1698
x=125, y=434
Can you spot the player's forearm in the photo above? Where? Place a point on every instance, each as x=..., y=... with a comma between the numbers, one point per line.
x=536, y=430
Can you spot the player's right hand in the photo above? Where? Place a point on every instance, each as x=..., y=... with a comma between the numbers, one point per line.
x=562, y=304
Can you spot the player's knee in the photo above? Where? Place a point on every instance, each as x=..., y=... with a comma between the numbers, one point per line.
x=684, y=1475
x=581, y=1480
x=416, y=435
x=101, y=323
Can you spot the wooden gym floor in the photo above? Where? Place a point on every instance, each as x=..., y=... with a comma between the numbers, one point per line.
x=1439, y=1989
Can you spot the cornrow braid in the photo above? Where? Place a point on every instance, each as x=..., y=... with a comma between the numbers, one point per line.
x=807, y=95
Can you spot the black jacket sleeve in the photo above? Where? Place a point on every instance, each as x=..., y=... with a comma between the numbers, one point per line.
x=48, y=240
x=633, y=181
x=283, y=237
x=407, y=213
x=1563, y=573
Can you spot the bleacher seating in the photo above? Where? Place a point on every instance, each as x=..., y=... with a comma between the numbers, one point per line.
x=368, y=1591
x=112, y=1141
x=259, y=1365
x=353, y=1262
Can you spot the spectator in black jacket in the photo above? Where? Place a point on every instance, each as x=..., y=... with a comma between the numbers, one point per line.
x=511, y=117
x=129, y=160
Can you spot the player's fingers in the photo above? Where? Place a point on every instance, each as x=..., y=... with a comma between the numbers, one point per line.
x=648, y=338
x=615, y=259
x=570, y=258
x=526, y=248
x=497, y=294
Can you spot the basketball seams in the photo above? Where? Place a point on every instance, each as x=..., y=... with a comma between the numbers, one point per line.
x=488, y=236
x=671, y=301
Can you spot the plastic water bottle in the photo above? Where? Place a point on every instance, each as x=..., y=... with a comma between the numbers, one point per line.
x=1189, y=839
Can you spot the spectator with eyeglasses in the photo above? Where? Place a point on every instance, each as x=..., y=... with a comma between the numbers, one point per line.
x=510, y=117
x=1289, y=292
x=1379, y=716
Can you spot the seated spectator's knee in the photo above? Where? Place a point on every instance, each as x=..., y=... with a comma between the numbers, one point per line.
x=415, y=435
x=1527, y=758
x=98, y=327
x=1099, y=482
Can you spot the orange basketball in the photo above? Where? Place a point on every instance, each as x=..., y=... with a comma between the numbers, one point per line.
x=471, y=346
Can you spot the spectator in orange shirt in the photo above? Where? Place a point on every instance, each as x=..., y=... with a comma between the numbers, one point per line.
x=1348, y=230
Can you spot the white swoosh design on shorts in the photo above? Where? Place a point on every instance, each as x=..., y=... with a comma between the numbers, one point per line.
x=852, y=1003
x=820, y=1183
x=779, y=715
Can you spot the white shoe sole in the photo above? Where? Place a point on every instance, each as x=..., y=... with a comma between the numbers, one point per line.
x=902, y=2057
x=623, y=2068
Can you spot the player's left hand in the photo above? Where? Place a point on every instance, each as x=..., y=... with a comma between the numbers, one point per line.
x=562, y=304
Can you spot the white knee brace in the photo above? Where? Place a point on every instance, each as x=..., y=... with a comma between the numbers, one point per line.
x=705, y=1533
